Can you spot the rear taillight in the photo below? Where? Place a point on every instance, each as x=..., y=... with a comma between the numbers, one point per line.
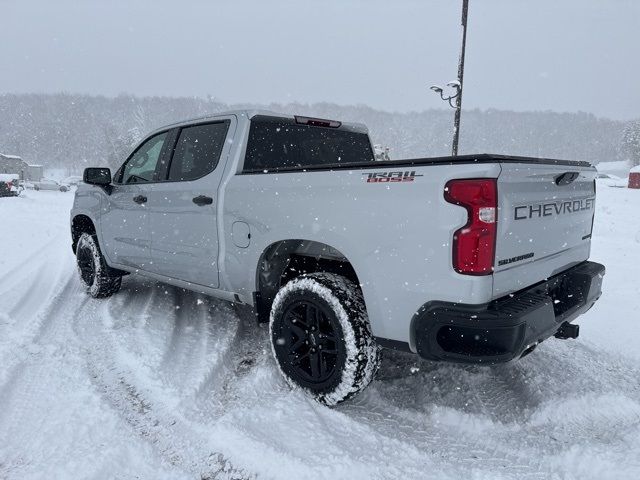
x=474, y=245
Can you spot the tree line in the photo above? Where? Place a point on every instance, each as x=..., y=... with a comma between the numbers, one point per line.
x=73, y=131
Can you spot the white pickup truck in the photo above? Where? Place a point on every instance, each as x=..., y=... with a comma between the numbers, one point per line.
x=476, y=258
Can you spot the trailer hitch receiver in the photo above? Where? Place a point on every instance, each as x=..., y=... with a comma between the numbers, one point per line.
x=568, y=330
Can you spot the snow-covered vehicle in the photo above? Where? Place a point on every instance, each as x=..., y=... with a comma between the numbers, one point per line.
x=47, y=184
x=611, y=180
x=72, y=180
x=10, y=185
x=475, y=259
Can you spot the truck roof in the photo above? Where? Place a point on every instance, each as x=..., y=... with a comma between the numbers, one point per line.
x=251, y=113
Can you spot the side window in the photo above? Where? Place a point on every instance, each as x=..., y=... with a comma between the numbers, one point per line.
x=197, y=151
x=141, y=166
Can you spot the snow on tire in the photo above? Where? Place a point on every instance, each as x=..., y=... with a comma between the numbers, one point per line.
x=93, y=270
x=320, y=337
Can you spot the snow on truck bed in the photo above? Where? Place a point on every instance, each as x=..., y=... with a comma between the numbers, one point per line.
x=157, y=382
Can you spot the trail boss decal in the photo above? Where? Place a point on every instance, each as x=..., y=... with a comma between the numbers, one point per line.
x=556, y=208
x=391, y=177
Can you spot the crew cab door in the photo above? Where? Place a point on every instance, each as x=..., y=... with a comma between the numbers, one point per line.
x=183, y=205
x=124, y=223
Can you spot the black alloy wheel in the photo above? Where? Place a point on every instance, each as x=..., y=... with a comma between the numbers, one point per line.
x=320, y=337
x=99, y=280
x=309, y=334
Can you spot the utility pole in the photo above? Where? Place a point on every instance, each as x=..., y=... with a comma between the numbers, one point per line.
x=457, y=84
x=456, y=120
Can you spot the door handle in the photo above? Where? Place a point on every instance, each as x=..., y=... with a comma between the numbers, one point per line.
x=566, y=178
x=202, y=200
x=140, y=199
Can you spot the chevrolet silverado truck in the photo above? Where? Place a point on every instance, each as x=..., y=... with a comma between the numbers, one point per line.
x=475, y=258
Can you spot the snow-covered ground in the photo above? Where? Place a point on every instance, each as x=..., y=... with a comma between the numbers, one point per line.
x=157, y=382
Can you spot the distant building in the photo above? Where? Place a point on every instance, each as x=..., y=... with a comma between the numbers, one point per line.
x=35, y=173
x=15, y=164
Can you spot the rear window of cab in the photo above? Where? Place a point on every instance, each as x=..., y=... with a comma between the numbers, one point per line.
x=281, y=143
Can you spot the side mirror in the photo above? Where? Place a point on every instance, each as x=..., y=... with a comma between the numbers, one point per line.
x=97, y=176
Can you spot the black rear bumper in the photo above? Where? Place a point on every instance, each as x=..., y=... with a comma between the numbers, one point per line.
x=510, y=327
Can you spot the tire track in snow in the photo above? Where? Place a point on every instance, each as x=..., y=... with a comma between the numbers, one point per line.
x=173, y=441
x=9, y=276
x=30, y=296
x=188, y=341
x=239, y=352
x=506, y=433
x=448, y=412
x=144, y=398
x=59, y=305
x=400, y=409
x=27, y=288
x=29, y=376
x=36, y=323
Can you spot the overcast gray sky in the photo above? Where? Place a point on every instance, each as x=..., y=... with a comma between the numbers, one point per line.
x=562, y=55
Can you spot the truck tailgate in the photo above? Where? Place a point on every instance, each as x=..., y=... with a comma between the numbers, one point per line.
x=545, y=217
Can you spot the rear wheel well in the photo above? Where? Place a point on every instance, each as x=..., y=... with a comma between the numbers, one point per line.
x=285, y=260
x=80, y=224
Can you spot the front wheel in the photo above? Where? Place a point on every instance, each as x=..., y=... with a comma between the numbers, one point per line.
x=321, y=339
x=94, y=272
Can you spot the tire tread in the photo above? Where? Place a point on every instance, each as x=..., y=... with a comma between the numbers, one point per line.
x=105, y=283
x=366, y=359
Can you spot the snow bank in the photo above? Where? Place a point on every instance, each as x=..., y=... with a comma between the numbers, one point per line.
x=620, y=168
x=610, y=167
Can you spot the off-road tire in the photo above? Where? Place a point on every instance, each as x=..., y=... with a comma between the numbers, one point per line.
x=343, y=317
x=99, y=280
